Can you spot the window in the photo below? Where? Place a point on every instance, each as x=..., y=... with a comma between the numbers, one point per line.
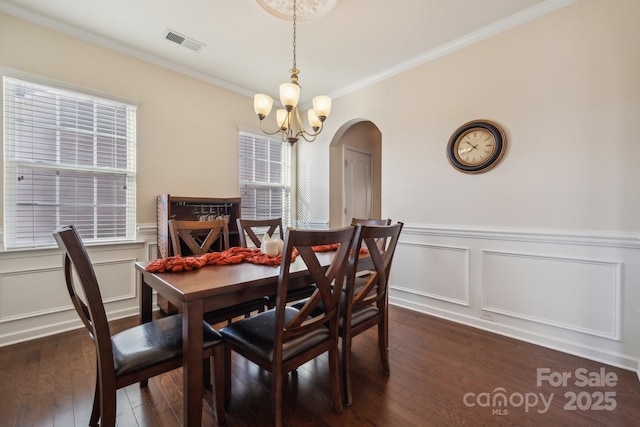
x=69, y=158
x=265, y=177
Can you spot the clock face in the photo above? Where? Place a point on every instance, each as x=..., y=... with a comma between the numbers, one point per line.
x=475, y=146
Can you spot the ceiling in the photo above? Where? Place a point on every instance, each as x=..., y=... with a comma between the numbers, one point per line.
x=249, y=50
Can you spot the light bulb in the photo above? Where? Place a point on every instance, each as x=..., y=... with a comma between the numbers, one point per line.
x=289, y=95
x=322, y=106
x=281, y=118
x=262, y=105
x=314, y=121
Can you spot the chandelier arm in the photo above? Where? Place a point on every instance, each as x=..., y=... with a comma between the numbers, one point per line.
x=311, y=135
x=267, y=132
x=303, y=130
x=309, y=138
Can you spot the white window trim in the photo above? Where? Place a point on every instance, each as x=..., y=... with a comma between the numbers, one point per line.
x=131, y=170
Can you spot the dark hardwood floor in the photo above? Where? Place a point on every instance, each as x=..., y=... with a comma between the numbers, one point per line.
x=442, y=374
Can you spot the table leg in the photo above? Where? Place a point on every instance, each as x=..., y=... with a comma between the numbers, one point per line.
x=146, y=297
x=146, y=311
x=192, y=317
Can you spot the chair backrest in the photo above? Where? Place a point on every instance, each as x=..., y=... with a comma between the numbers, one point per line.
x=375, y=287
x=322, y=306
x=249, y=227
x=198, y=236
x=92, y=312
x=369, y=221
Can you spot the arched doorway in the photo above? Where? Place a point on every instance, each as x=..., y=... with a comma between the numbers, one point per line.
x=355, y=163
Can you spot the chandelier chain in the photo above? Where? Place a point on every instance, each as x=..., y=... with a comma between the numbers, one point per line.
x=294, y=34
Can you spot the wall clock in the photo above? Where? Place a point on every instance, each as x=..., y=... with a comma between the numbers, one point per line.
x=476, y=146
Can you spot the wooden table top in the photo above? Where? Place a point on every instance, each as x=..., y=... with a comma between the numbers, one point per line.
x=217, y=280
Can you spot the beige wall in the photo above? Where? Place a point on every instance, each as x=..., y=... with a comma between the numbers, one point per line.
x=566, y=89
x=187, y=129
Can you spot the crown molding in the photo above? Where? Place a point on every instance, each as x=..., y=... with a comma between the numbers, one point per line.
x=471, y=38
x=474, y=37
x=89, y=37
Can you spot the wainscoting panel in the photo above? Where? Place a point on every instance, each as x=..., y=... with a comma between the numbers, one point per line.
x=34, y=301
x=38, y=292
x=574, y=291
x=121, y=275
x=32, y=293
x=152, y=251
x=434, y=271
x=577, y=294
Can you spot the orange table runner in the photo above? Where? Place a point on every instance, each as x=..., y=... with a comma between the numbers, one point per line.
x=233, y=255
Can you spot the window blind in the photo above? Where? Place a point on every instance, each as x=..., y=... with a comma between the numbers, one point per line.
x=69, y=158
x=265, y=177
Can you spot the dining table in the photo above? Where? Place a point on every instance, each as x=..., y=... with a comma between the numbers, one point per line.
x=209, y=288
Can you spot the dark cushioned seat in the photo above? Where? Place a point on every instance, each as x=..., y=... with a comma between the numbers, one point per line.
x=361, y=316
x=155, y=342
x=257, y=335
x=360, y=282
x=228, y=313
x=292, y=295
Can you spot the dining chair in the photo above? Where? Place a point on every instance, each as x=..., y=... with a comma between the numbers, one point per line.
x=366, y=298
x=137, y=353
x=199, y=238
x=252, y=228
x=284, y=338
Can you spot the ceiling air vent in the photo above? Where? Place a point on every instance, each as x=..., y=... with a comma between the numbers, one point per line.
x=183, y=40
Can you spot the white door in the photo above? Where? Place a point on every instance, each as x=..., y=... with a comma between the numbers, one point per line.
x=358, y=185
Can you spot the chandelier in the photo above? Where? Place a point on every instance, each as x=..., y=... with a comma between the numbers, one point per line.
x=290, y=126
